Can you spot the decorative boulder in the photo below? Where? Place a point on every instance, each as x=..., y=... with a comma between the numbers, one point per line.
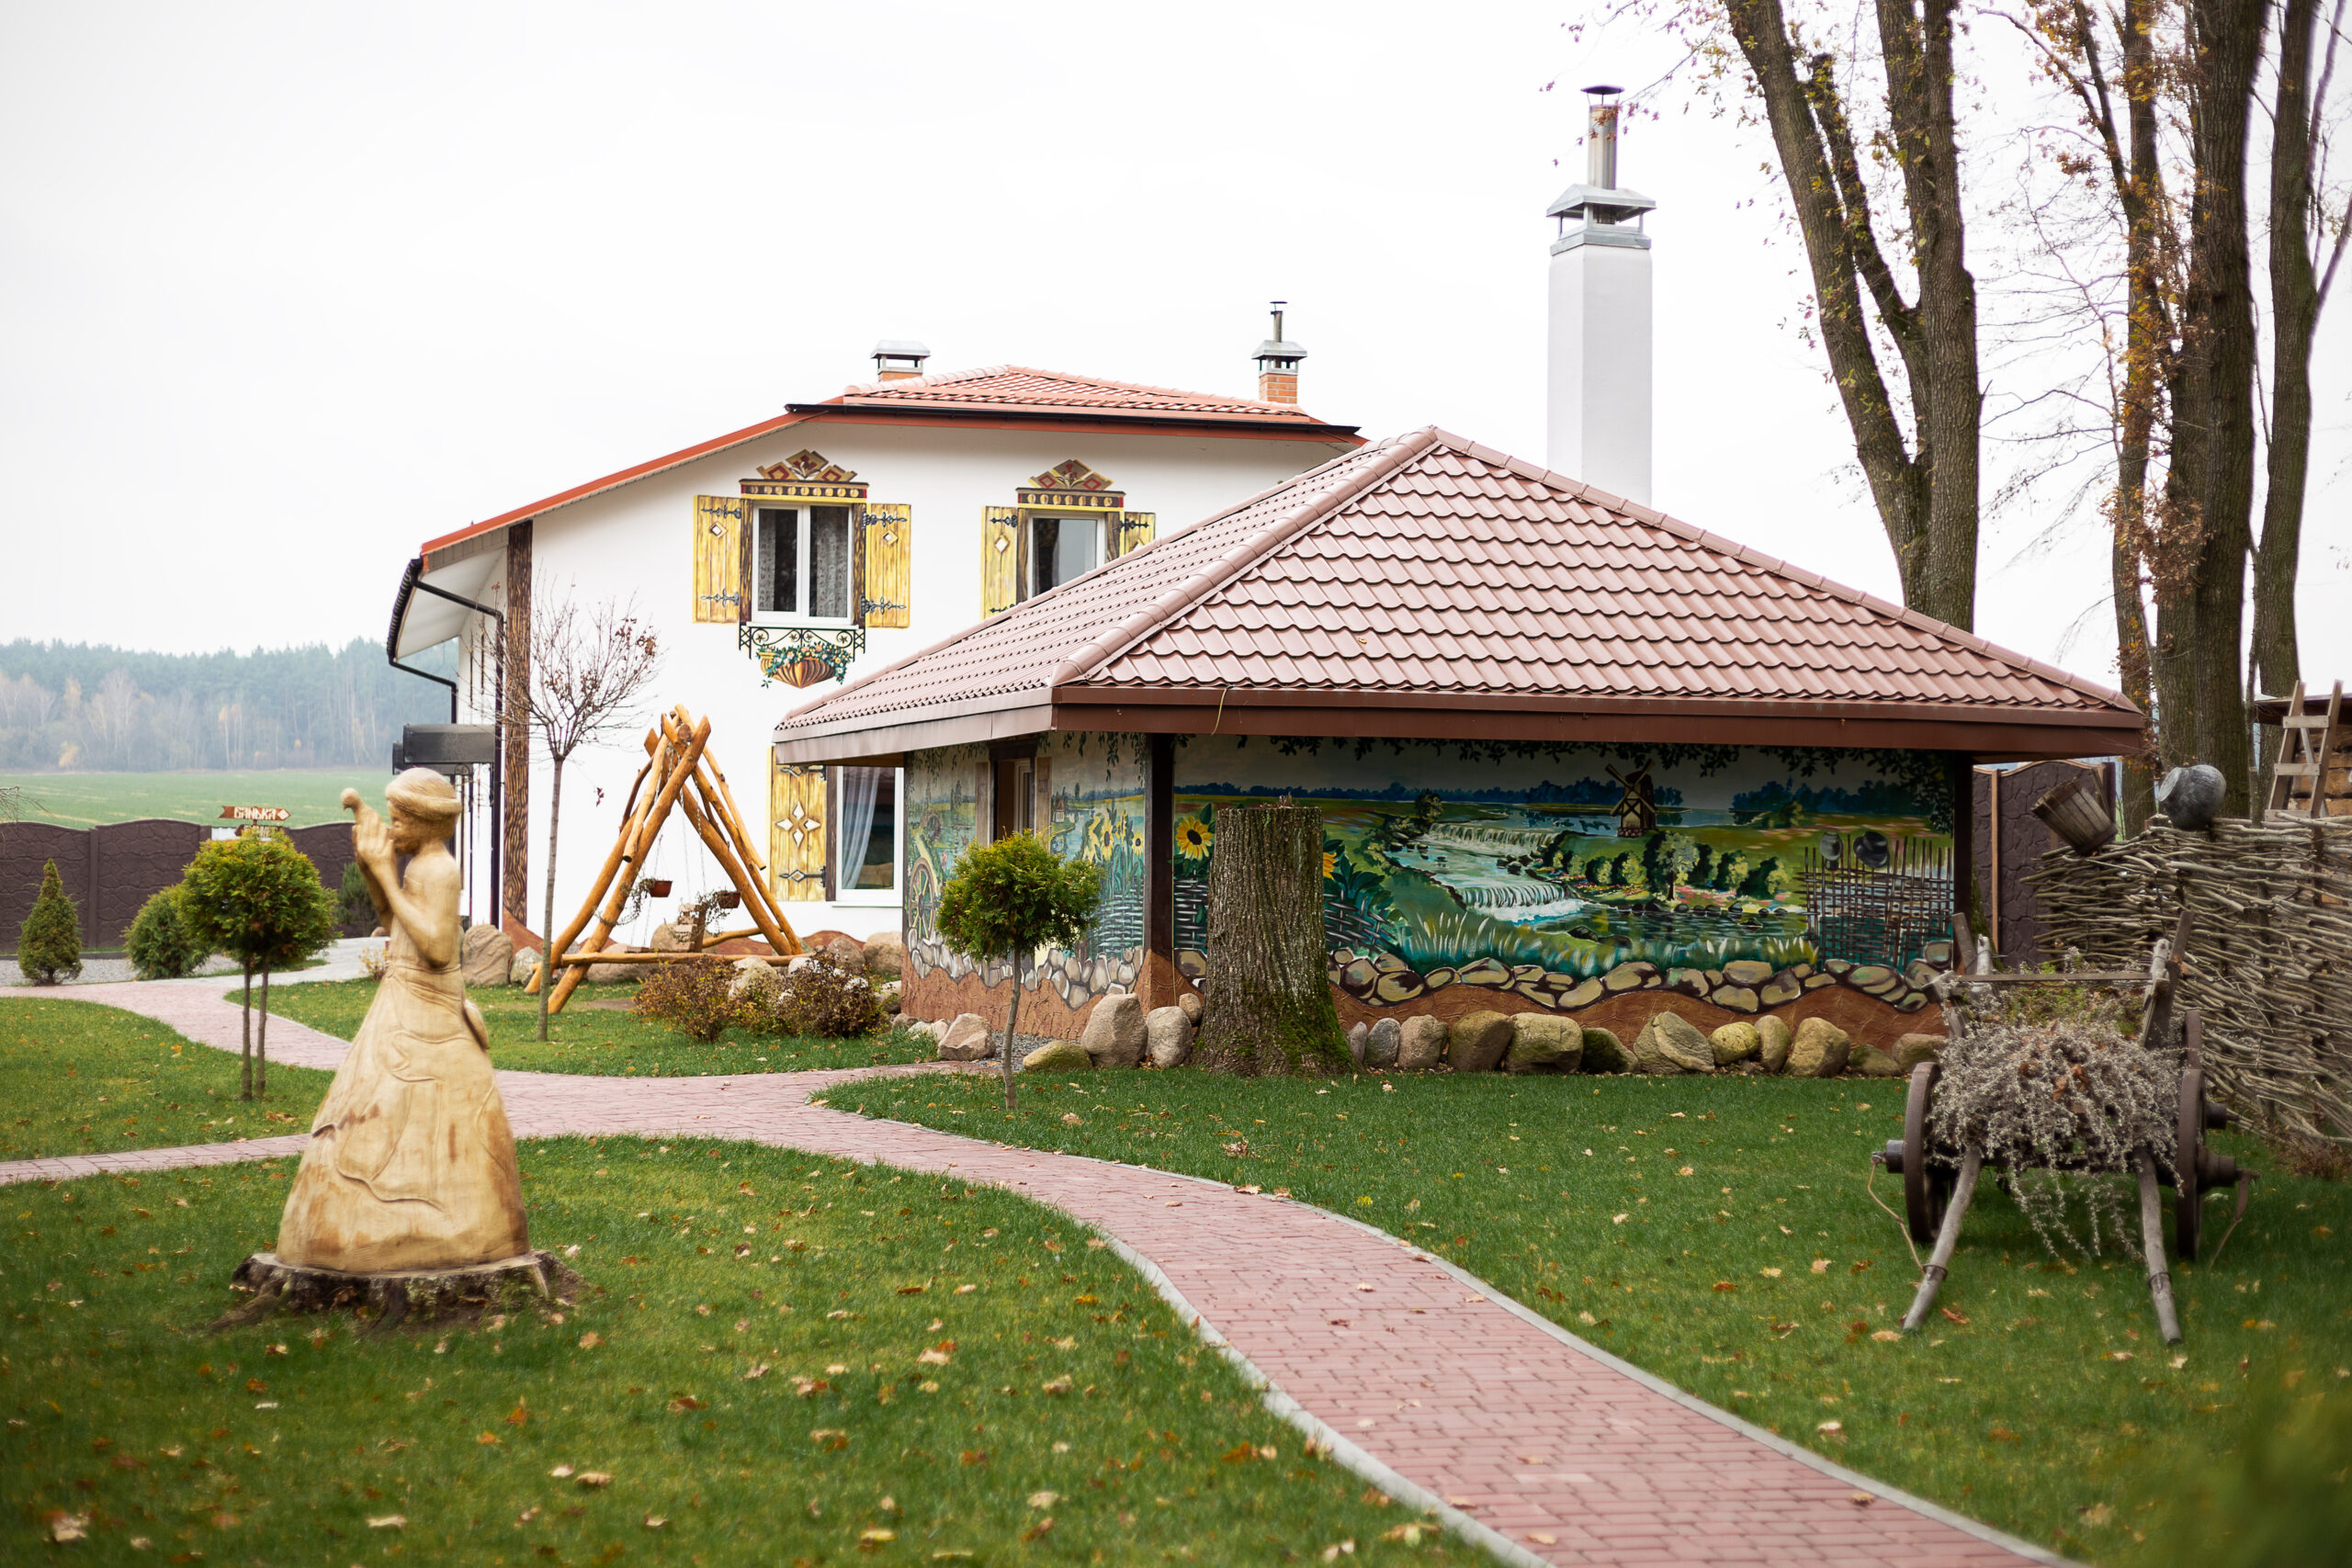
x=1058, y=1056
x=1735, y=1042
x=1382, y=1042
x=1357, y=1034
x=885, y=954
x=1541, y=1043
x=1914, y=1049
x=754, y=975
x=1190, y=1002
x=847, y=951
x=1604, y=1052
x=525, y=965
x=1421, y=1045
x=1113, y=1036
x=1818, y=1050
x=1872, y=1063
x=1477, y=1042
x=968, y=1038
x=487, y=955
x=671, y=936
x=1167, y=1036
x=614, y=973
x=1773, y=1036
x=1672, y=1043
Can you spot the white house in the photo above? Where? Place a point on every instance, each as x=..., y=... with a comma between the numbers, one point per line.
x=830, y=541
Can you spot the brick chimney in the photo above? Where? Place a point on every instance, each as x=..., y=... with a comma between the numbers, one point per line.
x=1278, y=365
x=1600, y=353
x=899, y=359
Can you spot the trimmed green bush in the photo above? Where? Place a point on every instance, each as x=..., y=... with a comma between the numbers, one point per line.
x=160, y=944
x=258, y=899
x=1007, y=900
x=49, y=945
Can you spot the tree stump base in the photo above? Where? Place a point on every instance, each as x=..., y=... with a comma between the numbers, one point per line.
x=421, y=1296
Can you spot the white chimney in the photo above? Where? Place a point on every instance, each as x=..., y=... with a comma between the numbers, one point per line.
x=1598, y=426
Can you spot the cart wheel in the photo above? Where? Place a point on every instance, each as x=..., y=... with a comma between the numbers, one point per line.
x=1926, y=1193
x=2189, y=1155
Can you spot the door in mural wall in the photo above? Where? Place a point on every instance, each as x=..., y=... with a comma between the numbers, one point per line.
x=1742, y=874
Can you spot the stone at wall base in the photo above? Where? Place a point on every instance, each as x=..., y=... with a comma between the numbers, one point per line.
x=417, y=1296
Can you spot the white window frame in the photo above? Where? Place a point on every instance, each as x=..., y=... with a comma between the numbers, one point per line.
x=803, y=519
x=1100, y=522
x=842, y=892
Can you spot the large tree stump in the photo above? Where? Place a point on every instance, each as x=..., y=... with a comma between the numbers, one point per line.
x=1269, y=1010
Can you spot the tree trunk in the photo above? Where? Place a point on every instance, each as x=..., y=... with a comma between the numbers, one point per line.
x=261, y=1040
x=245, y=1040
x=1012, y=1021
x=2211, y=488
x=547, y=922
x=1270, y=1009
x=2295, y=299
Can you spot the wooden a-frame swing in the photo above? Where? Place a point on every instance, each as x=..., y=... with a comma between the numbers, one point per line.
x=676, y=773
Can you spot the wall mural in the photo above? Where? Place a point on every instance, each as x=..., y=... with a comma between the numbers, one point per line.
x=1091, y=804
x=1743, y=875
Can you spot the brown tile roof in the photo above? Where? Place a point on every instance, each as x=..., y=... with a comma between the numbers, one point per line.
x=1018, y=388
x=1428, y=586
x=1009, y=392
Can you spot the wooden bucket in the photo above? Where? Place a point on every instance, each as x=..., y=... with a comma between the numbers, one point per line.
x=2077, y=812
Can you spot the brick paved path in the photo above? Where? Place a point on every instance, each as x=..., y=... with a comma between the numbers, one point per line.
x=1439, y=1388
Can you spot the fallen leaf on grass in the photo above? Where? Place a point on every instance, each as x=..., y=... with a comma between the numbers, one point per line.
x=1770, y=1273
x=1831, y=1429
x=1040, y=1528
x=68, y=1527
x=487, y=1438
x=1725, y=1285
x=685, y=1403
x=932, y=1358
x=1059, y=1385
x=2097, y=1514
x=1886, y=1333
x=1959, y=1318
x=590, y=1340
x=596, y=1478
x=876, y=1535
x=389, y=1522
x=758, y=1370
x=966, y=1289
x=1618, y=1219
x=1821, y=1266
x=561, y=1473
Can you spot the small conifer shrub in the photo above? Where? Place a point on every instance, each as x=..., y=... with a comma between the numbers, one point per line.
x=161, y=945
x=49, y=945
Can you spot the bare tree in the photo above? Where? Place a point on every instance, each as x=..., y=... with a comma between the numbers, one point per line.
x=588, y=668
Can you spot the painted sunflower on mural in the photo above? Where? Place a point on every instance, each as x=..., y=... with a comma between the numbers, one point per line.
x=1193, y=837
x=1330, y=863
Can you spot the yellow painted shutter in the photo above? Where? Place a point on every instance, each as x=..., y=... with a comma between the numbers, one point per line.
x=796, y=830
x=1000, y=558
x=1134, y=528
x=889, y=581
x=719, y=530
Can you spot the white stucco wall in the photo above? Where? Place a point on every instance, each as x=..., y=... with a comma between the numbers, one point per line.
x=638, y=541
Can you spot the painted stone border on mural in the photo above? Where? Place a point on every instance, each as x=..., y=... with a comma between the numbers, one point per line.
x=1745, y=878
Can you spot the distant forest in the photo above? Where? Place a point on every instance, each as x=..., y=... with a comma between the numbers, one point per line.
x=98, y=709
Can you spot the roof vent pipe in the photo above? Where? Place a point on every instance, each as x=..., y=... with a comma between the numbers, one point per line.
x=1600, y=138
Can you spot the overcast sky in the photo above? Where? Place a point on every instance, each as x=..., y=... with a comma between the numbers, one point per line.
x=286, y=290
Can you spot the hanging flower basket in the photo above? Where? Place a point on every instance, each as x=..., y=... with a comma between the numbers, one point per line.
x=659, y=887
x=728, y=899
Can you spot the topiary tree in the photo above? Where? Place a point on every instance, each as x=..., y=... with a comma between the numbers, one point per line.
x=1007, y=900
x=48, y=944
x=161, y=945
x=258, y=899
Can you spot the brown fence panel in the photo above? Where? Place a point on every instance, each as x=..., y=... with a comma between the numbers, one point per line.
x=132, y=861
x=110, y=870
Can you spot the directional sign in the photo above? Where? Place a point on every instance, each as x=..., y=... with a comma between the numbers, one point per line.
x=254, y=814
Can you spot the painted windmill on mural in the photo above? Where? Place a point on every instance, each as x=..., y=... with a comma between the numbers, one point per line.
x=1636, y=809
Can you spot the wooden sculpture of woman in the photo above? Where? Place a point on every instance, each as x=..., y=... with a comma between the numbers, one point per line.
x=411, y=1164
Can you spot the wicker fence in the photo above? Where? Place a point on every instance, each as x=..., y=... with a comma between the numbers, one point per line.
x=2269, y=959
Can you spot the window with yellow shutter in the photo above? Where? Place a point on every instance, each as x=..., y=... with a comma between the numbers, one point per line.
x=718, y=546
x=796, y=830
x=889, y=589
x=1135, y=530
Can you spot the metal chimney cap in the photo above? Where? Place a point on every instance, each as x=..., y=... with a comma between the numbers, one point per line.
x=1600, y=90
x=902, y=348
x=1578, y=197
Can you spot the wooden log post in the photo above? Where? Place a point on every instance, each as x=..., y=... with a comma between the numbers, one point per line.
x=1931, y=1280
x=2152, y=1243
x=1270, y=1009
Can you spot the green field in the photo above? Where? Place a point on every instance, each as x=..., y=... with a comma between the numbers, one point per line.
x=84, y=800
x=770, y=1360
x=1718, y=1232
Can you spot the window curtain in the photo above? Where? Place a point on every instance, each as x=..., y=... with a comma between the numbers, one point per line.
x=853, y=794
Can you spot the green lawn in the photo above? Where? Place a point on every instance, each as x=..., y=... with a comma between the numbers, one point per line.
x=82, y=800
x=79, y=1080
x=1716, y=1232
x=605, y=1041
x=774, y=1359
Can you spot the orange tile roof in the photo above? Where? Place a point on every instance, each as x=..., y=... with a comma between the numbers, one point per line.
x=1017, y=388
x=1005, y=392
x=1429, y=586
